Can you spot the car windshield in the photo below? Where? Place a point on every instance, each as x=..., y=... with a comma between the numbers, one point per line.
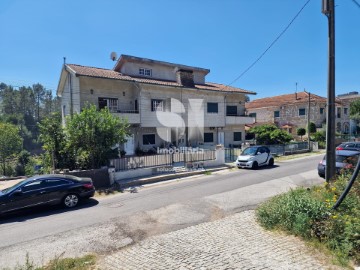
x=250, y=151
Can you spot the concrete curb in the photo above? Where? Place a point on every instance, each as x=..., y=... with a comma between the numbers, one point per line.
x=159, y=178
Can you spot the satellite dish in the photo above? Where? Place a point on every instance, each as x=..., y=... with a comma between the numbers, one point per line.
x=113, y=56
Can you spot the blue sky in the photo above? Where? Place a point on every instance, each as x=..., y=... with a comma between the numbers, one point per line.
x=225, y=36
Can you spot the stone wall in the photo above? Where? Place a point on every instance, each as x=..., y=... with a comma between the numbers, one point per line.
x=100, y=177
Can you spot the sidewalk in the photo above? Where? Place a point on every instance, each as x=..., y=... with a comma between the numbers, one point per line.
x=235, y=241
x=169, y=176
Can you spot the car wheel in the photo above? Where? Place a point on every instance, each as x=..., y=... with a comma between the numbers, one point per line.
x=271, y=162
x=71, y=200
x=255, y=165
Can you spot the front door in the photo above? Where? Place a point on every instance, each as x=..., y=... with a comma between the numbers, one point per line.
x=129, y=146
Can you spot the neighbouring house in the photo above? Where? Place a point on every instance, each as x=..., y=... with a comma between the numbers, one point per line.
x=162, y=101
x=290, y=112
x=346, y=100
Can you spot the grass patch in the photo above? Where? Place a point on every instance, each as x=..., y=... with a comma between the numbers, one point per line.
x=308, y=213
x=86, y=262
x=207, y=173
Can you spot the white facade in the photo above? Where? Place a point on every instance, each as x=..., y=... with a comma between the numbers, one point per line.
x=159, y=106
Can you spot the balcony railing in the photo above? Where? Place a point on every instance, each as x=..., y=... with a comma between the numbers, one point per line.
x=123, y=108
x=239, y=119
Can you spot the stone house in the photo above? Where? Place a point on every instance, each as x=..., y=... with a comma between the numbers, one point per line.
x=163, y=102
x=290, y=111
x=349, y=124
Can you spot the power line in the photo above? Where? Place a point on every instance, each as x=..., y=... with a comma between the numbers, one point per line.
x=268, y=48
x=356, y=3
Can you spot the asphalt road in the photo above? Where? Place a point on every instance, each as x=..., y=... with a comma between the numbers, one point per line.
x=110, y=223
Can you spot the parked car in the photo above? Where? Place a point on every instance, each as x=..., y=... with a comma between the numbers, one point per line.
x=345, y=159
x=46, y=190
x=352, y=146
x=254, y=157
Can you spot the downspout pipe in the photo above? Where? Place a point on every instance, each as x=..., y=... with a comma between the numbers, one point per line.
x=71, y=91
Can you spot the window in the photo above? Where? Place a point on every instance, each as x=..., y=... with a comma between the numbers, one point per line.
x=345, y=111
x=136, y=105
x=148, y=139
x=276, y=114
x=55, y=182
x=212, y=107
x=208, y=137
x=321, y=110
x=301, y=112
x=237, y=136
x=110, y=103
x=145, y=72
x=338, y=127
x=157, y=105
x=231, y=110
x=338, y=112
x=35, y=185
x=252, y=115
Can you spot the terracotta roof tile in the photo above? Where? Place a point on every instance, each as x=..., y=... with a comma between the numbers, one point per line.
x=111, y=74
x=300, y=97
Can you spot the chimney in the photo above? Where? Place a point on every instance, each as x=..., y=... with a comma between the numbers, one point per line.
x=295, y=95
x=185, y=77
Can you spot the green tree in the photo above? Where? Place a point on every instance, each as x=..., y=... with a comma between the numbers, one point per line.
x=10, y=143
x=355, y=109
x=270, y=134
x=312, y=128
x=319, y=136
x=23, y=160
x=52, y=137
x=39, y=95
x=92, y=133
x=301, y=132
x=24, y=106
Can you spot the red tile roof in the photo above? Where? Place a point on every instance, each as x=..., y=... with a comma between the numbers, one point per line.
x=301, y=97
x=111, y=74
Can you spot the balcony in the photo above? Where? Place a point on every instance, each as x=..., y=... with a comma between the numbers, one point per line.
x=132, y=116
x=126, y=111
x=232, y=119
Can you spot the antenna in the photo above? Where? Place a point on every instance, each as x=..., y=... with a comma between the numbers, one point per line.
x=113, y=56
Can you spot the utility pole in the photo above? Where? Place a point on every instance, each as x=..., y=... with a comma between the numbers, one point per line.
x=308, y=122
x=328, y=8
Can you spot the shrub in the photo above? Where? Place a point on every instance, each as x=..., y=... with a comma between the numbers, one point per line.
x=294, y=212
x=308, y=213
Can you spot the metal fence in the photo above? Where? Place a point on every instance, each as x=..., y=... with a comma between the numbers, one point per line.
x=231, y=154
x=285, y=149
x=179, y=158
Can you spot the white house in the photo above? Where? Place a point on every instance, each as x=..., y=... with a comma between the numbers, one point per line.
x=163, y=102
